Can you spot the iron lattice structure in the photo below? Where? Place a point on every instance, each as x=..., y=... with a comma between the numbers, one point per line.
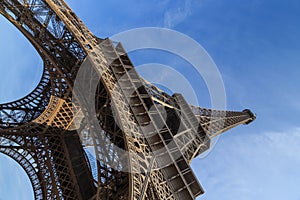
x=47, y=133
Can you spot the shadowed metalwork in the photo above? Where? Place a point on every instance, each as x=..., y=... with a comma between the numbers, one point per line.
x=48, y=134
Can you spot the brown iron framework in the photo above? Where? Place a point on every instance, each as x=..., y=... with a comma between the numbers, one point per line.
x=47, y=133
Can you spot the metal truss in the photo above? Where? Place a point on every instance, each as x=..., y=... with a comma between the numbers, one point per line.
x=51, y=131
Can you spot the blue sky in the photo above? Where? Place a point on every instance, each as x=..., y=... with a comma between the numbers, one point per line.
x=255, y=45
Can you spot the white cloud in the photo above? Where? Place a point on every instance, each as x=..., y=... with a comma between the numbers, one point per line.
x=252, y=166
x=177, y=14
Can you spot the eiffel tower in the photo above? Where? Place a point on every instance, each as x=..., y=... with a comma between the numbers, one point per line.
x=48, y=131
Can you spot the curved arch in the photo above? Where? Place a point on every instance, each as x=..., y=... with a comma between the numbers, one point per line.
x=57, y=47
x=28, y=164
x=62, y=55
x=63, y=48
x=28, y=108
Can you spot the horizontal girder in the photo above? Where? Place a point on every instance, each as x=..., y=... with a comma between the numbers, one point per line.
x=47, y=130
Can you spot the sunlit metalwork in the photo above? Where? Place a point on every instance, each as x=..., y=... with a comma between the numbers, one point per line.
x=48, y=135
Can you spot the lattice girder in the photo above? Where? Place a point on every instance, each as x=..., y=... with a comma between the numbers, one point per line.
x=216, y=122
x=53, y=130
x=58, y=170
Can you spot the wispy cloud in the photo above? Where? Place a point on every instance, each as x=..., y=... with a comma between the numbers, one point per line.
x=252, y=166
x=177, y=14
